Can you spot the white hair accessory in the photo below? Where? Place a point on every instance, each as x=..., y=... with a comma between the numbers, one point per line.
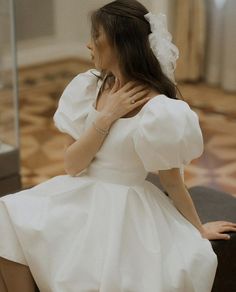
x=160, y=42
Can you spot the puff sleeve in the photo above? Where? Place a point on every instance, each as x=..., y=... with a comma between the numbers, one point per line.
x=168, y=134
x=73, y=106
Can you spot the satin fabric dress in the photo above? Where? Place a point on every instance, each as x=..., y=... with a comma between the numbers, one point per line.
x=108, y=229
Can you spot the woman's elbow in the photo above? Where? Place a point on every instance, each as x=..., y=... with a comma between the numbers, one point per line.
x=70, y=171
x=70, y=167
x=170, y=179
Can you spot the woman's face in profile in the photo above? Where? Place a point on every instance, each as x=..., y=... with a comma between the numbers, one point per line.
x=102, y=53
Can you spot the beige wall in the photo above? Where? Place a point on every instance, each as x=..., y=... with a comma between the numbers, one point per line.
x=78, y=26
x=68, y=27
x=34, y=19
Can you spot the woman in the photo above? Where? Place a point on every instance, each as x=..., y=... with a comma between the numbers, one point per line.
x=102, y=227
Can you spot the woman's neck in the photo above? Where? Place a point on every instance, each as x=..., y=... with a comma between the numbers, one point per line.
x=120, y=77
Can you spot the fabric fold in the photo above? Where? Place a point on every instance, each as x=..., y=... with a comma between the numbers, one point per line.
x=75, y=102
x=168, y=134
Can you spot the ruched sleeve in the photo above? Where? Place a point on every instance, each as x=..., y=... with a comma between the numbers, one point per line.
x=74, y=103
x=168, y=134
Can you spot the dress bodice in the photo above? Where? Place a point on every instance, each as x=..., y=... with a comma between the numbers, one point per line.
x=164, y=134
x=117, y=155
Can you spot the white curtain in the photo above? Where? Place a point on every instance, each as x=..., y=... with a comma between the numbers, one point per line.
x=221, y=44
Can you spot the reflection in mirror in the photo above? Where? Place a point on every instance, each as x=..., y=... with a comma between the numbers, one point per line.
x=9, y=128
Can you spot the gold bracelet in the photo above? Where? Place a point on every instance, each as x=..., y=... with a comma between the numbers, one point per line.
x=99, y=130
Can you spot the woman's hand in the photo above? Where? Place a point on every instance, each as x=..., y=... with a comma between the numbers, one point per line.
x=215, y=230
x=122, y=101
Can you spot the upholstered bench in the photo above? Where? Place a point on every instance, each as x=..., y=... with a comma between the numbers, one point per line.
x=213, y=205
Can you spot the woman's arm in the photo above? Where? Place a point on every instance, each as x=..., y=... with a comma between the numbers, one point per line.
x=78, y=154
x=173, y=183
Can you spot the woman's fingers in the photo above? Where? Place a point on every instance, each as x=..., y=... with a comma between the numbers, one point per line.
x=220, y=223
x=133, y=92
x=115, y=86
x=141, y=101
x=136, y=89
x=222, y=236
x=216, y=236
x=227, y=228
x=225, y=223
x=140, y=95
x=128, y=86
x=229, y=224
x=218, y=229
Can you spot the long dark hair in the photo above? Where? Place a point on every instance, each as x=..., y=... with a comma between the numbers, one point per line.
x=127, y=30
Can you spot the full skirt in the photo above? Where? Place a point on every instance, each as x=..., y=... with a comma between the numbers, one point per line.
x=82, y=234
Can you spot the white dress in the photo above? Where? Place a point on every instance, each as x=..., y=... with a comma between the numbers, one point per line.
x=108, y=229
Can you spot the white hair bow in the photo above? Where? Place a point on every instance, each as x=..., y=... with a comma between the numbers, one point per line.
x=161, y=44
